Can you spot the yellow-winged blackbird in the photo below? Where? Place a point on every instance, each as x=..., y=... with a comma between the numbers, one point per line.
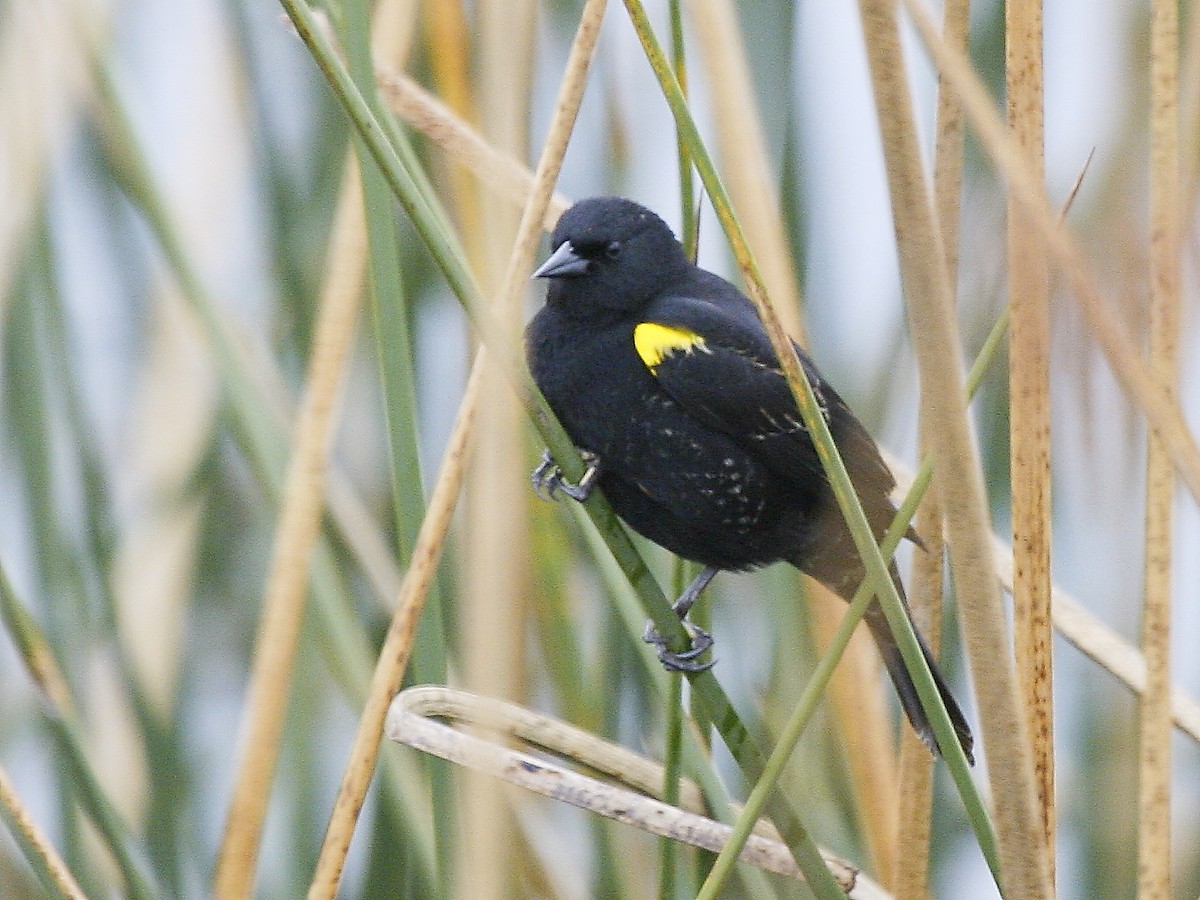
x=664, y=375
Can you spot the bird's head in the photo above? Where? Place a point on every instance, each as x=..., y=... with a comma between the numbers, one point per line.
x=610, y=254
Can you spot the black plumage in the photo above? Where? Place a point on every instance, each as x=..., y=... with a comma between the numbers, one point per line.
x=665, y=373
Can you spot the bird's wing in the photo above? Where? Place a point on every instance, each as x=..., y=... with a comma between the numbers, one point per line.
x=714, y=359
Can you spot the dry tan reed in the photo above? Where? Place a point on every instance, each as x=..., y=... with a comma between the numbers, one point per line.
x=960, y=485
x=1154, y=757
x=1029, y=402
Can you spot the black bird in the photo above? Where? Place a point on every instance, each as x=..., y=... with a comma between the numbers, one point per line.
x=663, y=374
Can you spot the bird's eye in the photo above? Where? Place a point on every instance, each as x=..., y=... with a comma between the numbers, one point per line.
x=613, y=250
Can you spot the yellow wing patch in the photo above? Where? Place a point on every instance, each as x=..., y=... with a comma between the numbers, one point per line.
x=655, y=342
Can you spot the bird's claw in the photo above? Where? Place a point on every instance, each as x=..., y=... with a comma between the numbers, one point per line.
x=683, y=660
x=548, y=478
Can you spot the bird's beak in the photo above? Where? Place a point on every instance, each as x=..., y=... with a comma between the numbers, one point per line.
x=563, y=263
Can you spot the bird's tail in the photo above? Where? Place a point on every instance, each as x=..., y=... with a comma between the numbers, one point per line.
x=842, y=573
x=906, y=690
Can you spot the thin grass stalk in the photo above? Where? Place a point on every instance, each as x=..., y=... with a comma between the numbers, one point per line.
x=449, y=259
x=753, y=186
x=668, y=855
x=49, y=867
x=385, y=36
x=1029, y=399
x=695, y=751
x=909, y=879
x=668, y=850
x=1023, y=867
x=397, y=647
x=814, y=689
x=689, y=231
x=288, y=577
x=43, y=668
x=864, y=723
x=1162, y=414
x=1154, y=747
x=918, y=491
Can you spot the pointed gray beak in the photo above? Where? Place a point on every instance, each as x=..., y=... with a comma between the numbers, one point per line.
x=563, y=263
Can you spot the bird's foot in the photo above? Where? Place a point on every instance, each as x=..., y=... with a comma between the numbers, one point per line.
x=683, y=660
x=548, y=478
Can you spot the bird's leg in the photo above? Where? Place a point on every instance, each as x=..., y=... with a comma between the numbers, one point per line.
x=701, y=640
x=548, y=478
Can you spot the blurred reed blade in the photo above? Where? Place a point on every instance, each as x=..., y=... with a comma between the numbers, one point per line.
x=396, y=650
x=386, y=33
x=261, y=434
x=287, y=585
x=298, y=531
x=42, y=667
x=39, y=102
